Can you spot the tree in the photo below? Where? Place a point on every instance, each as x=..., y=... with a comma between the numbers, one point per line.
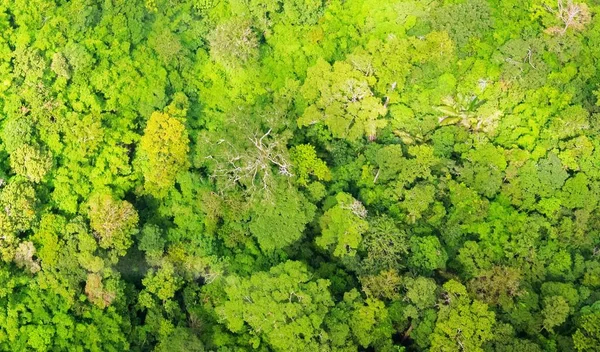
x=283, y=307
x=19, y=202
x=385, y=285
x=484, y=169
x=342, y=226
x=279, y=221
x=151, y=240
x=463, y=21
x=60, y=66
x=233, y=43
x=427, y=254
x=587, y=336
x=31, y=162
x=420, y=291
x=496, y=286
x=24, y=257
x=572, y=15
x=16, y=132
x=96, y=291
x=307, y=163
x=114, y=222
x=555, y=312
x=163, y=153
x=252, y=164
x=356, y=322
x=163, y=282
x=463, y=324
x=417, y=200
x=385, y=246
x=341, y=97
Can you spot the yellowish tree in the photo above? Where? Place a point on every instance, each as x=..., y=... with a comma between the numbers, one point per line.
x=163, y=152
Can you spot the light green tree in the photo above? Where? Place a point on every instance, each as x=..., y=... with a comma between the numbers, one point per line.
x=341, y=97
x=114, y=222
x=31, y=162
x=343, y=226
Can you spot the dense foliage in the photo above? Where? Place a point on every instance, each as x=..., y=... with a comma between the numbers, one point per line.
x=300, y=175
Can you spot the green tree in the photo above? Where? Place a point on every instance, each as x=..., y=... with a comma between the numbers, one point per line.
x=427, y=254
x=463, y=324
x=555, y=312
x=587, y=336
x=385, y=246
x=279, y=221
x=283, y=307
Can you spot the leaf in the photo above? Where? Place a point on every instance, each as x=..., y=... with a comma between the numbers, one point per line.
x=447, y=110
x=445, y=121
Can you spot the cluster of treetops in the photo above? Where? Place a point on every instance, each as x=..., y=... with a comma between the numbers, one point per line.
x=299, y=175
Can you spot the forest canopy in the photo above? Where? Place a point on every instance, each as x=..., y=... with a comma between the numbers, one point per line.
x=300, y=175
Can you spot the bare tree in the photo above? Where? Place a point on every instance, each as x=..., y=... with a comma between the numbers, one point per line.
x=254, y=166
x=572, y=15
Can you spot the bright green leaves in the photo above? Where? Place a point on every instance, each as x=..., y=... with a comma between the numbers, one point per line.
x=342, y=226
x=288, y=311
x=276, y=12
x=460, y=110
x=27, y=157
x=163, y=153
x=417, y=200
x=543, y=179
x=570, y=122
x=341, y=97
x=358, y=322
x=162, y=282
x=462, y=324
x=427, y=254
x=18, y=202
x=37, y=318
x=113, y=221
x=282, y=307
x=420, y=292
x=576, y=193
x=307, y=163
x=17, y=132
x=405, y=169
